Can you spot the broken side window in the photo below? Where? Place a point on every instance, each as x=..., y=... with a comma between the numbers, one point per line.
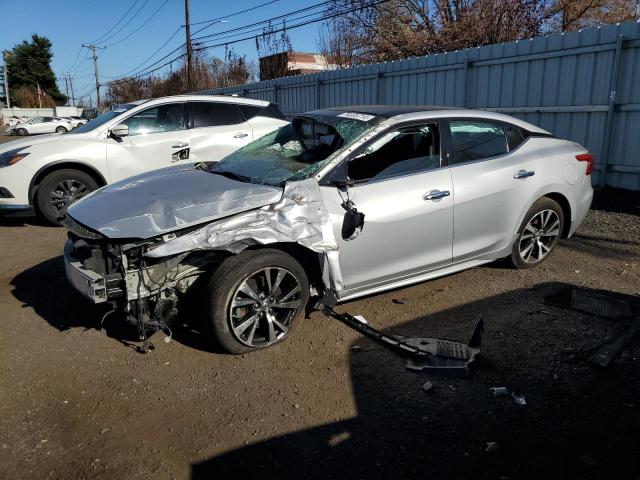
x=400, y=152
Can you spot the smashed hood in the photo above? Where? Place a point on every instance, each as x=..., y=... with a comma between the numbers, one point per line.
x=165, y=200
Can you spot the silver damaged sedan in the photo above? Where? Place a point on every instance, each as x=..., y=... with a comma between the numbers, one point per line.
x=341, y=203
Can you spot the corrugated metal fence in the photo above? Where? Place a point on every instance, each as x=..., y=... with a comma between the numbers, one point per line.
x=584, y=86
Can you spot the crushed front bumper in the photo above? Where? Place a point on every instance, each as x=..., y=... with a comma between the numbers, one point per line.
x=90, y=284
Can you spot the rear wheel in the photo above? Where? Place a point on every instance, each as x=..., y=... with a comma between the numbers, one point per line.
x=254, y=299
x=60, y=189
x=61, y=130
x=539, y=234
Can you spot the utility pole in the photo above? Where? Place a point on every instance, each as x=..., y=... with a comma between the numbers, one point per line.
x=66, y=87
x=95, y=67
x=6, y=81
x=70, y=79
x=189, y=51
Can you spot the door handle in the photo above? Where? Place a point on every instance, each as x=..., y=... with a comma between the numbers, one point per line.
x=436, y=195
x=180, y=145
x=241, y=135
x=524, y=174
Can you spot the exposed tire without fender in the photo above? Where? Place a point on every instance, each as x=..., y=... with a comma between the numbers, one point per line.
x=22, y=132
x=60, y=189
x=254, y=299
x=539, y=233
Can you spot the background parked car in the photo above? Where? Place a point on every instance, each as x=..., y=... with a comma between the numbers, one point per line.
x=41, y=125
x=49, y=173
x=75, y=121
x=15, y=120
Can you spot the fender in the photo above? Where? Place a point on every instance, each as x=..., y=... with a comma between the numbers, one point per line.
x=60, y=164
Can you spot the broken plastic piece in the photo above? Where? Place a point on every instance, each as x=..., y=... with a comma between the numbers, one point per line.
x=499, y=391
x=422, y=353
x=518, y=399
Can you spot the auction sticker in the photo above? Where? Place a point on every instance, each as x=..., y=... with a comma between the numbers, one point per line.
x=363, y=117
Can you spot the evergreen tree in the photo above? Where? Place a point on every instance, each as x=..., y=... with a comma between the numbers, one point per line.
x=29, y=65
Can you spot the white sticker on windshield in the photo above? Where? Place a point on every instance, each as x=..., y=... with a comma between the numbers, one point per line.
x=357, y=116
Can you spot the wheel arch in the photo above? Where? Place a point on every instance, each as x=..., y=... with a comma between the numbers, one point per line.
x=311, y=261
x=60, y=165
x=566, y=210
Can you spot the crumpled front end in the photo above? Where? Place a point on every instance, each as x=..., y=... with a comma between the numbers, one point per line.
x=146, y=280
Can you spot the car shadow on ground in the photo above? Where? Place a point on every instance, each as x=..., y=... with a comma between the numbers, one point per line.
x=44, y=287
x=579, y=421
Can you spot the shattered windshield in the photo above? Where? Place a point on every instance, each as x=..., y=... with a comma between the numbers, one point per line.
x=293, y=152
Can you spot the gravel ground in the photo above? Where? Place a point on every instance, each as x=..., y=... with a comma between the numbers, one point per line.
x=77, y=401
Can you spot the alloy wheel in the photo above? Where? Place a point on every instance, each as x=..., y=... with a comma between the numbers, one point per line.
x=539, y=236
x=264, y=306
x=65, y=193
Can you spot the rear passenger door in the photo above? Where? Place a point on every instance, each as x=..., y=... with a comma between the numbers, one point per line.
x=217, y=129
x=493, y=177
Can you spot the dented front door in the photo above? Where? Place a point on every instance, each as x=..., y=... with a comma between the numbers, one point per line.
x=408, y=227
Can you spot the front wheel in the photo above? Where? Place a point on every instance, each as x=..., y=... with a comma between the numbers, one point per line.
x=254, y=299
x=22, y=132
x=60, y=189
x=61, y=130
x=539, y=234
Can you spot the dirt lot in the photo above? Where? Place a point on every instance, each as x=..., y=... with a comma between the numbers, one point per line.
x=77, y=401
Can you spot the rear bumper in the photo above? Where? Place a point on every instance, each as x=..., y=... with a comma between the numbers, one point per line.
x=12, y=211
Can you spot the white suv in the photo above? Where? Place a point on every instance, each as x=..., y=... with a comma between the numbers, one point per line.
x=46, y=174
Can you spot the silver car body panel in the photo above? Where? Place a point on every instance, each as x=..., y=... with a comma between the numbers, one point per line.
x=162, y=201
x=406, y=238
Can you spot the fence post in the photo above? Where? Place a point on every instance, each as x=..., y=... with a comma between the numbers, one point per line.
x=275, y=93
x=465, y=71
x=318, y=84
x=379, y=75
x=608, y=132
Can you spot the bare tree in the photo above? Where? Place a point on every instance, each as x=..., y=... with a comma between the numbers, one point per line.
x=206, y=74
x=274, y=51
x=566, y=15
x=363, y=32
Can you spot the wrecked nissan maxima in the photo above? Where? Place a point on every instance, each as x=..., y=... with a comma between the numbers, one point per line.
x=338, y=204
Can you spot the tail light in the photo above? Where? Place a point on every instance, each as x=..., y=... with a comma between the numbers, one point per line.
x=590, y=159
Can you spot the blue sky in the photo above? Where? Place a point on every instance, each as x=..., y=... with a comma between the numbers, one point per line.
x=69, y=23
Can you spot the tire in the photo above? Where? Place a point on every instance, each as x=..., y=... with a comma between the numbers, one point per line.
x=240, y=324
x=538, y=235
x=62, y=187
x=22, y=132
x=61, y=130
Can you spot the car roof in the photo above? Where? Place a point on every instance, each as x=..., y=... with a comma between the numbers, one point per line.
x=203, y=97
x=386, y=111
x=401, y=113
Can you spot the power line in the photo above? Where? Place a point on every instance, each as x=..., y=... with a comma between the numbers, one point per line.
x=150, y=56
x=116, y=24
x=215, y=20
x=291, y=27
x=104, y=40
x=140, y=27
x=323, y=17
x=270, y=20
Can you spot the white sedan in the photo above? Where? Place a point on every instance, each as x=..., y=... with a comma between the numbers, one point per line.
x=41, y=125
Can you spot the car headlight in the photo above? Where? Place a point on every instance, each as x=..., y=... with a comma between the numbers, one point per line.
x=12, y=157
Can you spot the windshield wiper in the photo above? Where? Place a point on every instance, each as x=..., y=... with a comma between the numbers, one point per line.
x=232, y=175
